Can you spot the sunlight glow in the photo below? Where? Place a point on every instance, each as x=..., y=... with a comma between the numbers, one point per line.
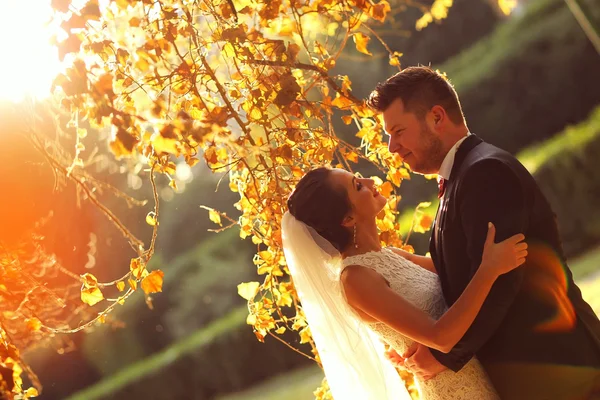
x=29, y=62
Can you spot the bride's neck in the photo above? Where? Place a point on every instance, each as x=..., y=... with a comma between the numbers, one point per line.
x=367, y=239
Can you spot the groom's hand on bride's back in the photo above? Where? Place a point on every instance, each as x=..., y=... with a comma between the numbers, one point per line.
x=419, y=361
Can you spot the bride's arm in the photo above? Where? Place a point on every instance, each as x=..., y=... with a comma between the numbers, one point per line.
x=421, y=261
x=368, y=292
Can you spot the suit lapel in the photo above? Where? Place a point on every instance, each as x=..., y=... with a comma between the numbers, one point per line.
x=436, y=240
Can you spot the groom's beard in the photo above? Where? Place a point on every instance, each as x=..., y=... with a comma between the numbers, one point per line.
x=431, y=152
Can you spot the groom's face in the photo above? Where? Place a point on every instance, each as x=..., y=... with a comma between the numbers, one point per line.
x=412, y=137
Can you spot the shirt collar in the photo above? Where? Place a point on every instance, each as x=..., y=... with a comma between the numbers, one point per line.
x=448, y=163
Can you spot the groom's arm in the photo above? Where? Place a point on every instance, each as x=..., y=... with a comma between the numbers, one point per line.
x=490, y=192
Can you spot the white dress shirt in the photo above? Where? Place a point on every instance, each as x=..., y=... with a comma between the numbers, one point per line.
x=448, y=163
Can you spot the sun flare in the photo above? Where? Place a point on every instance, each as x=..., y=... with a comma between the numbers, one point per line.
x=29, y=62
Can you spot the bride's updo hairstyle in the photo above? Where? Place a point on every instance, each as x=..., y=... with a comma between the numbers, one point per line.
x=322, y=205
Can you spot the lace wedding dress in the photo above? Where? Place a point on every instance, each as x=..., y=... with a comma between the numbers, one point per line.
x=422, y=288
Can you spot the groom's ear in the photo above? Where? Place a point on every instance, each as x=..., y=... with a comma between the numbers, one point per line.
x=439, y=114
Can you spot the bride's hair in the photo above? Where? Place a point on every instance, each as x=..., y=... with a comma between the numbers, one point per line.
x=320, y=204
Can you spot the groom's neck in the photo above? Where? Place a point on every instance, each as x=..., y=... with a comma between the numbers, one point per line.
x=452, y=135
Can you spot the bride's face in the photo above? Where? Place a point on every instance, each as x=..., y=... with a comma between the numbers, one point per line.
x=366, y=201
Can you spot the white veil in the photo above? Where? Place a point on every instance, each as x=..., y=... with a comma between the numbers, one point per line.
x=352, y=357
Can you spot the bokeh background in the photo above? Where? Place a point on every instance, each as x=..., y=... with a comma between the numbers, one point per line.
x=529, y=83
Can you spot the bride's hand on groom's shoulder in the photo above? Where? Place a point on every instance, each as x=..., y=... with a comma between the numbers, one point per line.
x=502, y=257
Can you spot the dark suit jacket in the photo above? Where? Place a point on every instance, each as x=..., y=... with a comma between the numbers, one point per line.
x=534, y=314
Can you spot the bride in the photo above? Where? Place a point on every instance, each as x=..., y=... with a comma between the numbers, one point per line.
x=356, y=294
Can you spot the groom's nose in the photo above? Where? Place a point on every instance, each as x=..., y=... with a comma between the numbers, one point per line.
x=394, y=146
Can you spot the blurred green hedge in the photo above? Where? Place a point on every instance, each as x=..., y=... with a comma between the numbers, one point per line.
x=531, y=77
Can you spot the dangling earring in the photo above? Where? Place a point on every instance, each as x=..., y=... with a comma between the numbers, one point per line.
x=355, y=244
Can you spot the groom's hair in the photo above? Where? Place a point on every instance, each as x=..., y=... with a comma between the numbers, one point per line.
x=420, y=88
x=322, y=206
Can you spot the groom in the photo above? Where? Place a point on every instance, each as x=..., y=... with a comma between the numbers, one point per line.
x=535, y=335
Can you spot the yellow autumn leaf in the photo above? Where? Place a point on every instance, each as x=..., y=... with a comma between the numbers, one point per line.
x=91, y=295
x=285, y=300
x=352, y=156
x=507, y=6
x=165, y=145
x=347, y=119
x=31, y=392
x=89, y=280
x=341, y=102
x=34, y=324
x=132, y=283
x=395, y=58
x=251, y=319
x=153, y=282
x=215, y=217
x=266, y=255
x=305, y=335
x=120, y=286
x=151, y=218
x=137, y=267
x=192, y=161
x=255, y=113
x=280, y=330
x=248, y=290
x=361, y=40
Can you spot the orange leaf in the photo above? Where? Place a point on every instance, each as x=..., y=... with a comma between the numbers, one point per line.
x=347, y=119
x=34, y=324
x=341, y=102
x=386, y=189
x=380, y=10
x=153, y=282
x=422, y=223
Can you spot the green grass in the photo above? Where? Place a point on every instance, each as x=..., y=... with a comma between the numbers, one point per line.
x=295, y=385
x=570, y=140
x=585, y=266
x=162, y=359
